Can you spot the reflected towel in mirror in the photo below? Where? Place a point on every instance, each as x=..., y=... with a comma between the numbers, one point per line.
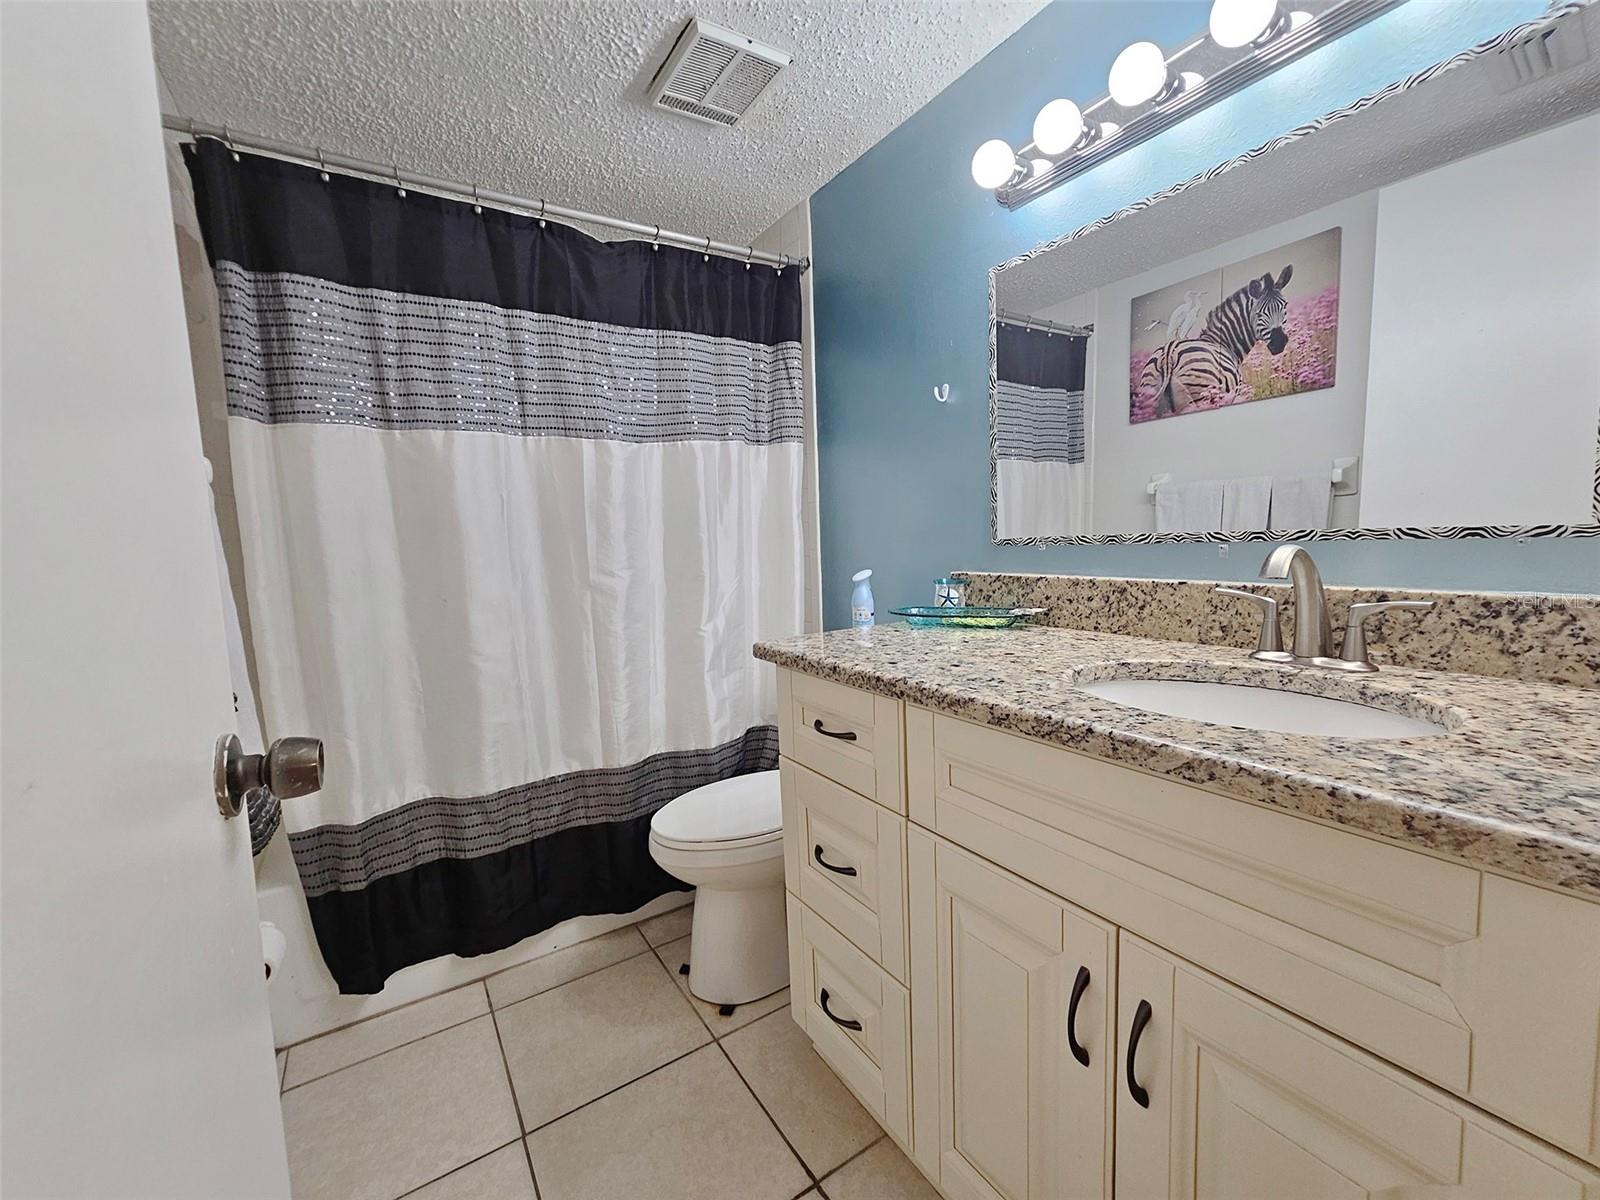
x=1246, y=502
x=1193, y=507
x=1301, y=501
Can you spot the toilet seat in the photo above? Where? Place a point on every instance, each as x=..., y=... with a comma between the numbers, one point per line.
x=732, y=814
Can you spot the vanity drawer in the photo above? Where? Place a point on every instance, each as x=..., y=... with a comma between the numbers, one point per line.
x=851, y=736
x=1484, y=985
x=845, y=857
x=857, y=1017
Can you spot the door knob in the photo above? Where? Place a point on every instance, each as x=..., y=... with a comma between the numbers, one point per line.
x=291, y=767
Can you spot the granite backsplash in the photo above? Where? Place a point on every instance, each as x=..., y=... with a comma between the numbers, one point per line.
x=1532, y=636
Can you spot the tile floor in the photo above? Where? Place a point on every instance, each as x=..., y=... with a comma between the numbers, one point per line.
x=587, y=1074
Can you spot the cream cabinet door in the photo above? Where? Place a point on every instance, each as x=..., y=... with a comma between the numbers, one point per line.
x=1223, y=1097
x=1019, y=989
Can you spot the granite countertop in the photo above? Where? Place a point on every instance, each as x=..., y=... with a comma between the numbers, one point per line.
x=1514, y=785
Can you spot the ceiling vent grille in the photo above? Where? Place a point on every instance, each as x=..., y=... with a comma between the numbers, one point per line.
x=714, y=74
x=1539, y=55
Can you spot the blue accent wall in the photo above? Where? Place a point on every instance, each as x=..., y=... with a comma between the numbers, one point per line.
x=903, y=240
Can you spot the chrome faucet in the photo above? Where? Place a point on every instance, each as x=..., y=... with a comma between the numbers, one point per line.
x=1313, y=633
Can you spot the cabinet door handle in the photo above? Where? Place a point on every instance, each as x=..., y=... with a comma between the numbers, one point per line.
x=1141, y=1018
x=847, y=736
x=855, y=1025
x=816, y=853
x=1079, y=986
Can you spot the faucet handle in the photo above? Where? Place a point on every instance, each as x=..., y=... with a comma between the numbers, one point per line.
x=1270, y=641
x=1355, y=634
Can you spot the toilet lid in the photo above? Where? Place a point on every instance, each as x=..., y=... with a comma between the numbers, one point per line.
x=746, y=806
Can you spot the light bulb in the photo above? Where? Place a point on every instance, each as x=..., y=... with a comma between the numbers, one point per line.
x=1139, y=74
x=1040, y=166
x=1058, y=127
x=1237, y=23
x=993, y=164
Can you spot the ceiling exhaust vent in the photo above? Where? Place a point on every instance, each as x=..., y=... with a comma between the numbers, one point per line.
x=1539, y=55
x=714, y=74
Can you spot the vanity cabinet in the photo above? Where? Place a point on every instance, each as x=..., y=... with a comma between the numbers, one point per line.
x=1242, y=1100
x=1077, y=979
x=1016, y=1010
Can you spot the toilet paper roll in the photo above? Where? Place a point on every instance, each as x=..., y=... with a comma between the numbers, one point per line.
x=273, y=947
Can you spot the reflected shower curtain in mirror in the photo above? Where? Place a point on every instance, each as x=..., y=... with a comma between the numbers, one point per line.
x=1041, y=452
x=514, y=503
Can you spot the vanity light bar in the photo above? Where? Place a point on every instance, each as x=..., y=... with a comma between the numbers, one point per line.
x=1287, y=37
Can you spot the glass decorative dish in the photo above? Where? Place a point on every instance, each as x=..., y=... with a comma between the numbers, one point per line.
x=965, y=617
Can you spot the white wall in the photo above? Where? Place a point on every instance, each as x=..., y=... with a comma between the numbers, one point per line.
x=1287, y=435
x=1485, y=384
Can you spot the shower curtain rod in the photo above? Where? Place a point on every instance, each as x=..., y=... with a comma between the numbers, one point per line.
x=1042, y=325
x=312, y=156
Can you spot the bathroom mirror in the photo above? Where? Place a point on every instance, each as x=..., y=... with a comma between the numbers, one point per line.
x=1376, y=325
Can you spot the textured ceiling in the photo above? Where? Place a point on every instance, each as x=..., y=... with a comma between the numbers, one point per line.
x=545, y=98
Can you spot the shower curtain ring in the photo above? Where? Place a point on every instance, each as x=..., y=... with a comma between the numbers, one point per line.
x=227, y=140
x=477, y=205
x=322, y=167
x=541, y=213
x=655, y=239
x=399, y=184
x=749, y=253
x=708, y=248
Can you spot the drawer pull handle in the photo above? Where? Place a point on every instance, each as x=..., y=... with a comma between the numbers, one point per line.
x=855, y=1025
x=1141, y=1018
x=816, y=853
x=1079, y=986
x=847, y=736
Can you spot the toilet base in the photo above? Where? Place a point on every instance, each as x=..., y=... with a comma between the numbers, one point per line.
x=739, y=944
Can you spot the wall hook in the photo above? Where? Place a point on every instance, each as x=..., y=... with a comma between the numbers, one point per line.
x=942, y=393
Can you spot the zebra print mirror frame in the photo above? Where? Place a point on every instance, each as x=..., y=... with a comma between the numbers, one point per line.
x=1481, y=53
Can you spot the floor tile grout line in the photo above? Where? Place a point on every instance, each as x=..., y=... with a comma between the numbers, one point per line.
x=563, y=983
x=688, y=997
x=460, y=987
x=695, y=1008
x=285, y=1086
x=778, y=1129
x=618, y=1088
x=485, y=980
x=294, y=1087
x=453, y=1170
x=516, y=1104
x=882, y=1133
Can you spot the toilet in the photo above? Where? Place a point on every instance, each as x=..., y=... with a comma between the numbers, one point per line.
x=727, y=839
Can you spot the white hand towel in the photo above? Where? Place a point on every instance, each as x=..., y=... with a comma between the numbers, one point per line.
x=1194, y=507
x=1301, y=501
x=1246, y=502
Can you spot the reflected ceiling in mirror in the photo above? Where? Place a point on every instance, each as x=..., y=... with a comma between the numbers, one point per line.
x=1376, y=325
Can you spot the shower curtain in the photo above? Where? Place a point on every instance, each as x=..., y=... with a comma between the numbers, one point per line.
x=514, y=503
x=1041, y=460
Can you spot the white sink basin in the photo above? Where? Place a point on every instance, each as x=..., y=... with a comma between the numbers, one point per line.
x=1266, y=709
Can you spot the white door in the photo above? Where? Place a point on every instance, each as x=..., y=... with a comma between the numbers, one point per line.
x=137, y=1055
x=1025, y=1000
x=1227, y=1098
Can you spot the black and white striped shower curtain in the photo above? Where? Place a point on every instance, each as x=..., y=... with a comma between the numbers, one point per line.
x=1042, y=472
x=514, y=504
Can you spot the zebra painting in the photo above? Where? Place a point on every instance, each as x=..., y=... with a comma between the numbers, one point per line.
x=1208, y=365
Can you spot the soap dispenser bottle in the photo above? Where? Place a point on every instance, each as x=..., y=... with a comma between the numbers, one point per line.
x=861, y=606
